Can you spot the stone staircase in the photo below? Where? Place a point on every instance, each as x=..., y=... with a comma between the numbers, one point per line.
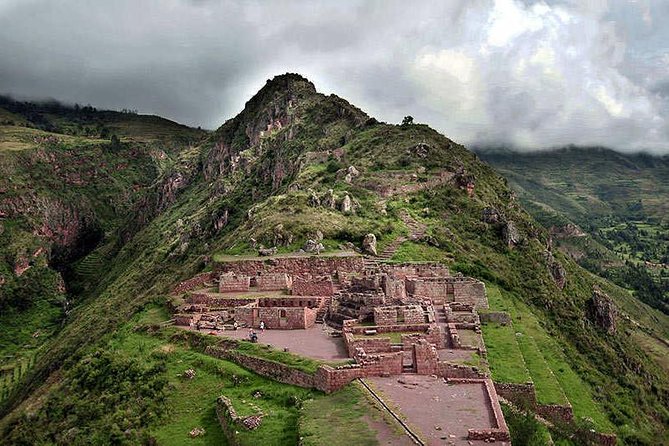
x=416, y=232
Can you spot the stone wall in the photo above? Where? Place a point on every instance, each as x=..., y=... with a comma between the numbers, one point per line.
x=556, y=413
x=230, y=421
x=459, y=371
x=296, y=266
x=394, y=288
x=425, y=358
x=472, y=292
x=273, y=282
x=218, y=301
x=522, y=395
x=429, y=288
x=408, y=314
x=231, y=282
x=193, y=283
x=310, y=286
x=500, y=431
x=283, y=318
x=369, y=345
x=405, y=270
x=227, y=419
x=292, y=301
x=453, y=336
x=327, y=379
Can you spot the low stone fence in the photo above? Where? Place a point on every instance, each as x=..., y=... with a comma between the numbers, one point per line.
x=230, y=421
x=326, y=379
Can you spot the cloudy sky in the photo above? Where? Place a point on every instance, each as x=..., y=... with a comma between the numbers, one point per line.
x=532, y=74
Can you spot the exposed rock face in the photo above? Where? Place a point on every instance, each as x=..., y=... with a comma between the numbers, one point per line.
x=568, y=230
x=221, y=220
x=329, y=200
x=510, y=234
x=602, y=311
x=369, y=244
x=557, y=271
x=491, y=215
x=421, y=150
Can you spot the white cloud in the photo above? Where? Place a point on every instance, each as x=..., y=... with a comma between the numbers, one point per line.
x=529, y=73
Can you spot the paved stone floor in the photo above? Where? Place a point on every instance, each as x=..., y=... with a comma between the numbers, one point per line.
x=441, y=413
x=313, y=342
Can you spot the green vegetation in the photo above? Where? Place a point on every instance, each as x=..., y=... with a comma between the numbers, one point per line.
x=504, y=356
x=555, y=382
x=614, y=198
x=150, y=212
x=338, y=420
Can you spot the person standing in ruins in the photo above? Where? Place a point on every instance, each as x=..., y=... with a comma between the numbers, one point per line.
x=262, y=326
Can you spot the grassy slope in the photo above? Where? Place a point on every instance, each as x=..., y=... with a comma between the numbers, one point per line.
x=621, y=379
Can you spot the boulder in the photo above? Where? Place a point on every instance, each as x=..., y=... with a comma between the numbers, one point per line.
x=490, y=215
x=602, y=311
x=329, y=200
x=351, y=173
x=346, y=205
x=369, y=244
x=510, y=234
x=266, y=252
x=313, y=246
x=314, y=201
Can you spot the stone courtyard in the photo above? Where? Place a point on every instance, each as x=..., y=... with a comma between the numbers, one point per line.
x=398, y=323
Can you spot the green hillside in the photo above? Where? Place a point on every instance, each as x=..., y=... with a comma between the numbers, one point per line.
x=618, y=200
x=264, y=177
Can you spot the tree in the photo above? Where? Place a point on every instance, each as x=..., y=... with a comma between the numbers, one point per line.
x=408, y=120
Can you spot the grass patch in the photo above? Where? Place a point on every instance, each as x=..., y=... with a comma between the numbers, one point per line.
x=548, y=368
x=504, y=356
x=337, y=420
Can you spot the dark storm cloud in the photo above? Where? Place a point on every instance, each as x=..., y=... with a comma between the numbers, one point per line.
x=533, y=74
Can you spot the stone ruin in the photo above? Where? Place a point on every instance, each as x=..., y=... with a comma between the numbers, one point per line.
x=394, y=318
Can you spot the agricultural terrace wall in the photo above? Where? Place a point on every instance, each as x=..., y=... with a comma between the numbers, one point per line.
x=295, y=266
x=524, y=396
x=195, y=282
x=312, y=286
x=499, y=317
